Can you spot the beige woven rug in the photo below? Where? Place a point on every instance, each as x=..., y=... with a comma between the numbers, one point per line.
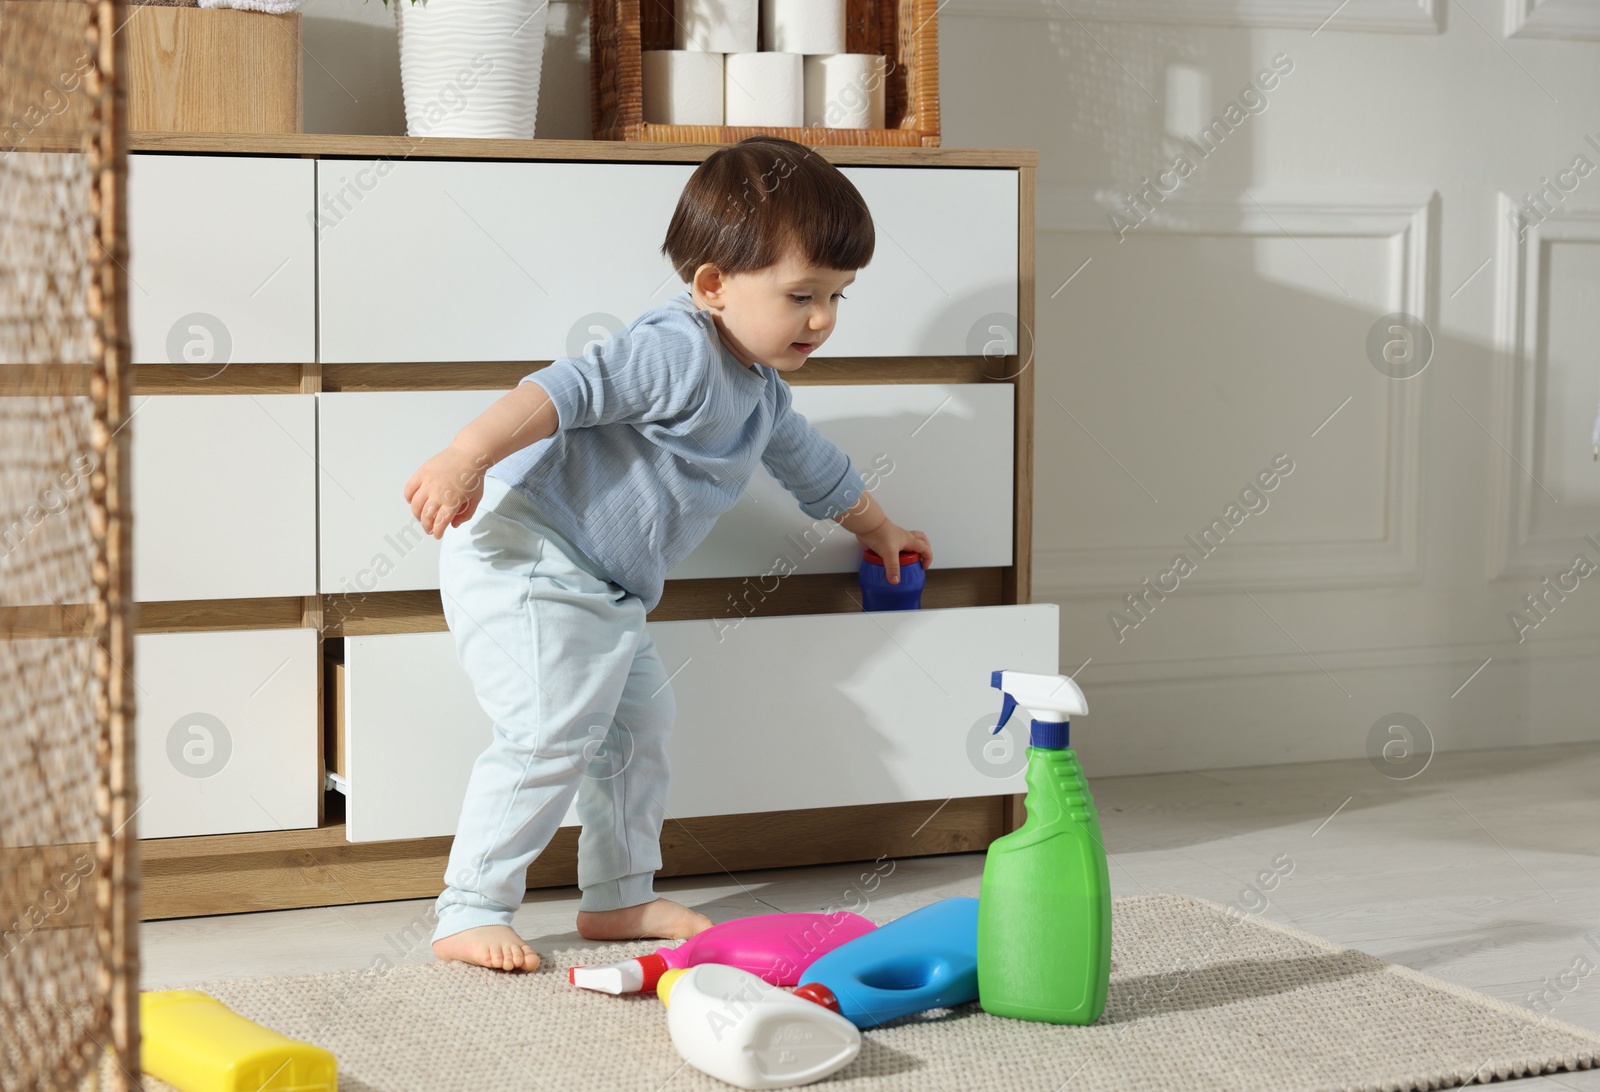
x=1200, y=999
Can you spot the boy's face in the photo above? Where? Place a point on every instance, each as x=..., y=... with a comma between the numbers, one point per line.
x=775, y=316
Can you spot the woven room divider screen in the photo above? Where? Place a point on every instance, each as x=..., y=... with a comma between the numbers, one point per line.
x=68, y=873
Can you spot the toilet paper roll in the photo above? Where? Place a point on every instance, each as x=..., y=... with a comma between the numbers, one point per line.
x=803, y=26
x=716, y=26
x=845, y=90
x=764, y=89
x=682, y=87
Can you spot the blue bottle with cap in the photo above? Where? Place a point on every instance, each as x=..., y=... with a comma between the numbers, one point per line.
x=927, y=959
x=876, y=591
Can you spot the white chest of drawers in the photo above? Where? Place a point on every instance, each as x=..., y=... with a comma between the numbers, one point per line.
x=313, y=316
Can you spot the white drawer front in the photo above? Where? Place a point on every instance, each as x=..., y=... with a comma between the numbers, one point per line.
x=221, y=259
x=826, y=710
x=515, y=257
x=474, y=260
x=369, y=445
x=937, y=457
x=944, y=263
x=413, y=728
x=787, y=712
x=224, y=496
x=227, y=731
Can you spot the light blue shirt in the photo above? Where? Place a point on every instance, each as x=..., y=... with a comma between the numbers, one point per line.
x=659, y=428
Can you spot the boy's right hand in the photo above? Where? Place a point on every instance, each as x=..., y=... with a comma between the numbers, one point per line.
x=445, y=490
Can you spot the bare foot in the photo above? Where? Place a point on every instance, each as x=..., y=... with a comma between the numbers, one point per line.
x=662, y=918
x=495, y=946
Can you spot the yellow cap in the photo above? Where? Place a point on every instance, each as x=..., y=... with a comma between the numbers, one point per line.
x=664, y=984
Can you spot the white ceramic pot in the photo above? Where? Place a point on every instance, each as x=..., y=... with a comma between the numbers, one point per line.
x=470, y=68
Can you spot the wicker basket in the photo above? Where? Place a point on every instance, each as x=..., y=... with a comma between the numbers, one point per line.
x=906, y=32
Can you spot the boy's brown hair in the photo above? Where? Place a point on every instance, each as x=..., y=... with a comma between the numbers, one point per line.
x=748, y=203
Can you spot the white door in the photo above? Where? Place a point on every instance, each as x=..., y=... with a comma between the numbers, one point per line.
x=943, y=273
x=472, y=260
x=224, y=496
x=369, y=445
x=437, y=260
x=221, y=259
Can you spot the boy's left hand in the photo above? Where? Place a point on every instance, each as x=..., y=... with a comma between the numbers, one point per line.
x=888, y=539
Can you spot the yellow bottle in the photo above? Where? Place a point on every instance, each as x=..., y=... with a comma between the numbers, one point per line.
x=197, y=1044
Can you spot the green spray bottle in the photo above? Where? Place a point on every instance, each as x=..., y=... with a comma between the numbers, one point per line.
x=1044, y=908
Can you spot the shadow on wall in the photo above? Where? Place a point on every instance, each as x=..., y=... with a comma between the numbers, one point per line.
x=1235, y=321
x=352, y=69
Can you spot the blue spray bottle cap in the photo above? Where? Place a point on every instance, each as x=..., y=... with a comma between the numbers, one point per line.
x=1049, y=699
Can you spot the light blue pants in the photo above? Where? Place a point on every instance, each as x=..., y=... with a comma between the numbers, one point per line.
x=561, y=661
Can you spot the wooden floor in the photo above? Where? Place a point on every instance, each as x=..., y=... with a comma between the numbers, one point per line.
x=1484, y=870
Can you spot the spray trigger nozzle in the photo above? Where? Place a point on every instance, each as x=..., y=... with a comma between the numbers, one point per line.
x=1005, y=713
x=1049, y=699
x=1007, y=707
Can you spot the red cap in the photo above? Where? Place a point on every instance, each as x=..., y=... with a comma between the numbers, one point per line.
x=654, y=966
x=817, y=992
x=907, y=557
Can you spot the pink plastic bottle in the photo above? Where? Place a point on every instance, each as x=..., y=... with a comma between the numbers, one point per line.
x=775, y=947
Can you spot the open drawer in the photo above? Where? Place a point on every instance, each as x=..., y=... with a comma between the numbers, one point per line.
x=227, y=731
x=409, y=728
x=777, y=713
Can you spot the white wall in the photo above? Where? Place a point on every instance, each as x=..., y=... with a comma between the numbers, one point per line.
x=1377, y=581
x=352, y=69
x=1230, y=324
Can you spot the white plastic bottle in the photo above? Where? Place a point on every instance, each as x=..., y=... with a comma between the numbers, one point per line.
x=731, y=1025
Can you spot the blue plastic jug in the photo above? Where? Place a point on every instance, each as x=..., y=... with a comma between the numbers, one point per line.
x=927, y=959
x=876, y=591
